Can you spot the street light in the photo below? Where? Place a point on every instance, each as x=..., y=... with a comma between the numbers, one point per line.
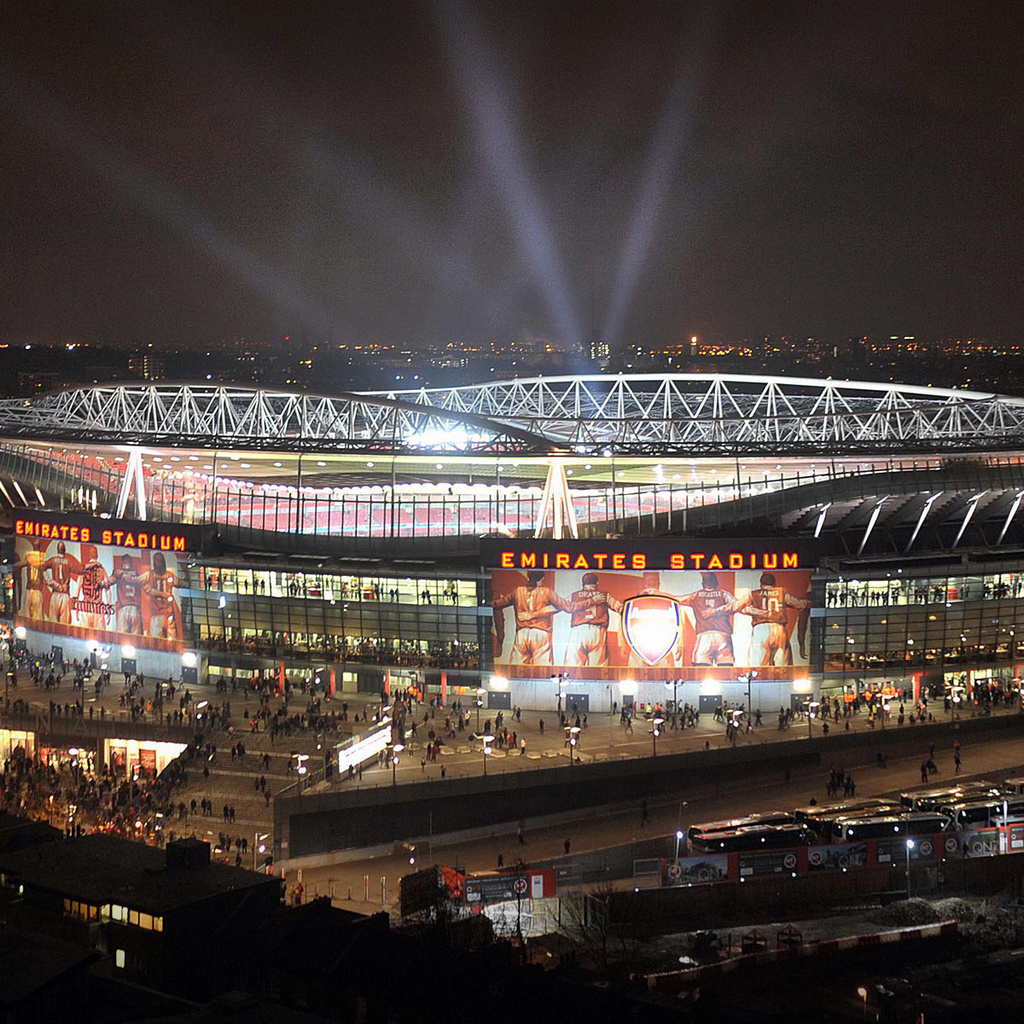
x=486, y=748
x=258, y=845
x=574, y=738
x=863, y=993
x=655, y=733
x=812, y=706
x=395, y=761
x=675, y=694
x=910, y=846
x=679, y=836
x=479, y=704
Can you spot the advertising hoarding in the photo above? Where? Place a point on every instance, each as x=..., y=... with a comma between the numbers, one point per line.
x=108, y=580
x=662, y=609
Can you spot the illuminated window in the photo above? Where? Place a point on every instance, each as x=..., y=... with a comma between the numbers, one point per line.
x=133, y=917
x=158, y=924
x=119, y=958
x=146, y=922
x=117, y=913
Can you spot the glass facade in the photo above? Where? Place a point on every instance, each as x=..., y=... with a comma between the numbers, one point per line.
x=370, y=619
x=943, y=625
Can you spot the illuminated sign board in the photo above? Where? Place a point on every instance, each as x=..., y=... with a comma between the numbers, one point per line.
x=660, y=609
x=354, y=752
x=108, y=532
x=639, y=555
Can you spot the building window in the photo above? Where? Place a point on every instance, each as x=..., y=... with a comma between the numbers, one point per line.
x=133, y=917
x=119, y=958
x=146, y=922
x=117, y=913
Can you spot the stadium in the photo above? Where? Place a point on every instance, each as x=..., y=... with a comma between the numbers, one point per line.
x=606, y=540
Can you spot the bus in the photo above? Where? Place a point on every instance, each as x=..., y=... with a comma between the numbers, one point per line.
x=974, y=814
x=822, y=819
x=754, y=837
x=934, y=799
x=751, y=820
x=890, y=825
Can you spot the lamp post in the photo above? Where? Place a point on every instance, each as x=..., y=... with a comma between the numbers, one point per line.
x=479, y=704
x=574, y=739
x=812, y=706
x=910, y=846
x=863, y=993
x=655, y=733
x=258, y=846
x=486, y=749
x=395, y=761
x=679, y=836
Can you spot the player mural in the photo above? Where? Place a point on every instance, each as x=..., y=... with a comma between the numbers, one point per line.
x=615, y=623
x=94, y=590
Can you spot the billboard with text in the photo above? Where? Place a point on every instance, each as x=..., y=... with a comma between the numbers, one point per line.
x=114, y=582
x=658, y=610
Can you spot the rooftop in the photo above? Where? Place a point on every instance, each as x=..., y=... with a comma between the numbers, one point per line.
x=101, y=869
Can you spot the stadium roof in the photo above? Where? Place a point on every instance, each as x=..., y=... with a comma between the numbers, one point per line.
x=661, y=415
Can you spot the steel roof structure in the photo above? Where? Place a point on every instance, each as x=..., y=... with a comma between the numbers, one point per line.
x=661, y=415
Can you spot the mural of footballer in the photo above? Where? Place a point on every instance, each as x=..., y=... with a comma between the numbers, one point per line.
x=768, y=608
x=588, y=633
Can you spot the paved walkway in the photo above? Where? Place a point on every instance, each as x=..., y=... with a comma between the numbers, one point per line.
x=993, y=759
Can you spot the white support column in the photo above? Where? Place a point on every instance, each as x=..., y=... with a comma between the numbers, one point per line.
x=921, y=518
x=871, y=523
x=1009, y=517
x=821, y=519
x=133, y=472
x=556, y=501
x=972, y=506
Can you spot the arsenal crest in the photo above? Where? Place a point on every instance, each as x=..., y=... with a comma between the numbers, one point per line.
x=651, y=625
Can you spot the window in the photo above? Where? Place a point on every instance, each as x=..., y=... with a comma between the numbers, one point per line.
x=117, y=913
x=133, y=917
x=158, y=924
x=146, y=922
x=119, y=958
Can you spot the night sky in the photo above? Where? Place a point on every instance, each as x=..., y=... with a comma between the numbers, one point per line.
x=435, y=172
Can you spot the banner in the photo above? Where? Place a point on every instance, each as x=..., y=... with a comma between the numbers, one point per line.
x=655, y=623
x=99, y=591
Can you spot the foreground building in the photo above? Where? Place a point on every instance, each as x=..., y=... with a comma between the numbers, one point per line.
x=588, y=542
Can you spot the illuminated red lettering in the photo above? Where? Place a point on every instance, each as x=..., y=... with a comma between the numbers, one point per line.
x=789, y=561
x=639, y=561
x=508, y=560
x=106, y=537
x=696, y=558
x=528, y=560
x=581, y=562
x=676, y=561
x=735, y=561
x=179, y=543
x=599, y=560
x=562, y=560
x=769, y=561
x=715, y=563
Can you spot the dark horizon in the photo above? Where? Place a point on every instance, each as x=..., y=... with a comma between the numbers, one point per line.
x=419, y=174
